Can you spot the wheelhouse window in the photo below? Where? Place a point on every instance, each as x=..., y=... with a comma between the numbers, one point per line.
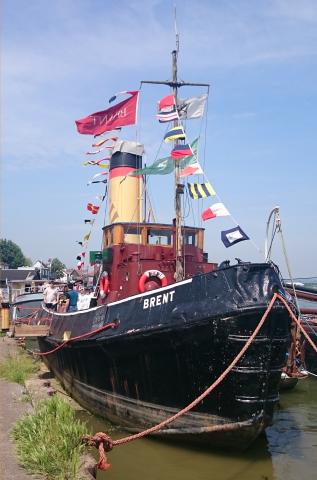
x=131, y=230
x=159, y=237
x=190, y=238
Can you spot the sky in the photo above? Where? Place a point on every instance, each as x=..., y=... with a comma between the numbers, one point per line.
x=64, y=59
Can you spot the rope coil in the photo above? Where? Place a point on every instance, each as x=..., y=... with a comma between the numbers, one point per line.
x=103, y=443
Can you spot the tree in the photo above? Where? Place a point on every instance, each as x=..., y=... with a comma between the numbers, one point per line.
x=11, y=254
x=57, y=268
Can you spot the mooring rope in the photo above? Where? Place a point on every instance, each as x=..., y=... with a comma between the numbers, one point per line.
x=104, y=443
x=297, y=321
x=79, y=337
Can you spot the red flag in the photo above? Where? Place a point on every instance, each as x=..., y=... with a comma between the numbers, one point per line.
x=167, y=101
x=101, y=142
x=216, y=210
x=124, y=113
x=93, y=208
x=192, y=169
x=181, y=151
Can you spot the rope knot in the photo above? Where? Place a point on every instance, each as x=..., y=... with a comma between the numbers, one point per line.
x=103, y=443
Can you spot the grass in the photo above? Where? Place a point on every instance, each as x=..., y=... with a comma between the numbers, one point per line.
x=48, y=442
x=18, y=367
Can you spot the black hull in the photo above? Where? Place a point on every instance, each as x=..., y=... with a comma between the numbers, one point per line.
x=168, y=350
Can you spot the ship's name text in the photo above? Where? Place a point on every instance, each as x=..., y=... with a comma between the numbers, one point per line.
x=158, y=300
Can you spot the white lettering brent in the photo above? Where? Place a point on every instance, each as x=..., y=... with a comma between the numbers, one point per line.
x=158, y=300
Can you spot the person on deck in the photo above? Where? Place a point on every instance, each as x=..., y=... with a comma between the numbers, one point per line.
x=72, y=296
x=51, y=296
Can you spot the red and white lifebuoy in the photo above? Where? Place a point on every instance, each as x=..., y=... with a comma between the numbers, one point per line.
x=151, y=273
x=104, y=285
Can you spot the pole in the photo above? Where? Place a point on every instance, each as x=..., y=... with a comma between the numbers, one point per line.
x=179, y=272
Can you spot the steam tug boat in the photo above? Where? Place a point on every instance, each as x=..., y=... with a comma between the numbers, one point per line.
x=179, y=322
x=172, y=339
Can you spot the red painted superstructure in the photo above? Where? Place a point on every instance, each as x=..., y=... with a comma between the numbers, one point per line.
x=126, y=262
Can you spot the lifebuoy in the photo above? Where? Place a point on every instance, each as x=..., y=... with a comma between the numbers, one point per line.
x=151, y=273
x=104, y=285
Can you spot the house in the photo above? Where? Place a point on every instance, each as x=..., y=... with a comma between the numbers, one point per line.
x=15, y=281
x=83, y=276
x=43, y=268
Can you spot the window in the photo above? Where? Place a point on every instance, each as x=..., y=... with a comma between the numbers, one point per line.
x=190, y=238
x=159, y=237
x=132, y=230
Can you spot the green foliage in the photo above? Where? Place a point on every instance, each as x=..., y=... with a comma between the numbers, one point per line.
x=48, y=442
x=18, y=367
x=28, y=262
x=11, y=254
x=57, y=268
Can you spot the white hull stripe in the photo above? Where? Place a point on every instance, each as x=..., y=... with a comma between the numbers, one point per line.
x=134, y=297
x=152, y=292
x=71, y=313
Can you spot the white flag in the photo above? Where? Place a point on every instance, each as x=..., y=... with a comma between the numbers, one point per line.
x=216, y=210
x=191, y=107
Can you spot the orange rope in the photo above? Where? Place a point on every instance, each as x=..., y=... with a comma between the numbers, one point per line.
x=96, y=440
x=208, y=390
x=87, y=334
x=310, y=341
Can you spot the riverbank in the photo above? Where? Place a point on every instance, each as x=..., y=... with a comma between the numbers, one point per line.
x=13, y=405
x=287, y=451
x=19, y=400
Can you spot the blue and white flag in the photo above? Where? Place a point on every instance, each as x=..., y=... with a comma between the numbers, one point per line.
x=232, y=236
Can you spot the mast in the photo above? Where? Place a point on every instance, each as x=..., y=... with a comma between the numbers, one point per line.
x=179, y=271
x=179, y=187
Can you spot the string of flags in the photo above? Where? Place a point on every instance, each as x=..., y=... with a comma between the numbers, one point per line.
x=185, y=153
x=98, y=124
x=94, y=210
x=187, y=156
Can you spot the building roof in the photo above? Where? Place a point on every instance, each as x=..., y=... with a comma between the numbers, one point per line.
x=40, y=264
x=13, y=274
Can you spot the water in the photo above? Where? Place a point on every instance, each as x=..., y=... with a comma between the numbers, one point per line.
x=288, y=450
x=310, y=282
